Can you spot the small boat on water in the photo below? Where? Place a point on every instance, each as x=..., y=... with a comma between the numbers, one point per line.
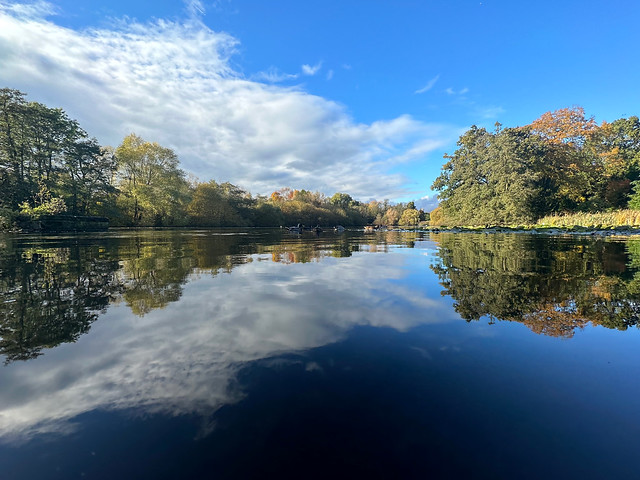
x=374, y=228
x=338, y=228
x=295, y=229
x=301, y=228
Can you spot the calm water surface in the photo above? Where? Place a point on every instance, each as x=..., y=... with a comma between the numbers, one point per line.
x=258, y=354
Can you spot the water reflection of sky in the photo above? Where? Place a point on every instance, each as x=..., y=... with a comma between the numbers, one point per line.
x=360, y=360
x=183, y=358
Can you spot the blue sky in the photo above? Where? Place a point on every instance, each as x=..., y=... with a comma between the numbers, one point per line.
x=355, y=96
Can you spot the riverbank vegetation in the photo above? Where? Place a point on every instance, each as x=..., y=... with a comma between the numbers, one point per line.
x=50, y=165
x=562, y=163
x=595, y=220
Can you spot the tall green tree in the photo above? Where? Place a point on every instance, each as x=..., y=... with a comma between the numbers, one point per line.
x=341, y=200
x=42, y=146
x=14, y=148
x=493, y=178
x=85, y=178
x=410, y=217
x=215, y=205
x=153, y=188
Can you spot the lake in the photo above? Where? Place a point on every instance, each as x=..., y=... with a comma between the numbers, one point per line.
x=262, y=354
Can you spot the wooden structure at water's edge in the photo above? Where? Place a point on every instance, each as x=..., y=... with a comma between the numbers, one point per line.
x=63, y=223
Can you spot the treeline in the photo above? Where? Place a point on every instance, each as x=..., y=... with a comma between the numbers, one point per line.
x=563, y=162
x=50, y=165
x=48, y=159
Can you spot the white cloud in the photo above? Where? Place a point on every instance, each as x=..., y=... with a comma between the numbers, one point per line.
x=311, y=69
x=429, y=85
x=172, y=82
x=427, y=203
x=329, y=74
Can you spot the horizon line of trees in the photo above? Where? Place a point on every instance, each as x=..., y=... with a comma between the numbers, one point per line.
x=50, y=165
x=563, y=162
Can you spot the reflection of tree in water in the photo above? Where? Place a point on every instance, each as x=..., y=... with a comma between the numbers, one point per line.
x=156, y=266
x=553, y=285
x=309, y=249
x=153, y=272
x=52, y=293
x=50, y=296
x=52, y=290
x=305, y=251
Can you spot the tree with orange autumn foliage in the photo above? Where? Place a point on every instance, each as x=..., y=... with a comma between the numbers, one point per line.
x=565, y=126
x=618, y=146
x=572, y=161
x=598, y=162
x=282, y=195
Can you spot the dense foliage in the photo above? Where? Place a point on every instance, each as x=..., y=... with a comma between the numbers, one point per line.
x=44, y=155
x=49, y=165
x=562, y=162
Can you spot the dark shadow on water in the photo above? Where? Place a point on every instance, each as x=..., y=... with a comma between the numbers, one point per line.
x=368, y=407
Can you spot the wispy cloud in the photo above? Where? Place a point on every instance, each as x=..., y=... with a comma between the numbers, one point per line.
x=422, y=148
x=172, y=82
x=35, y=9
x=429, y=85
x=311, y=69
x=490, y=112
x=329, y=74
x=462, y=91
x=273, y=75
x=195, y=8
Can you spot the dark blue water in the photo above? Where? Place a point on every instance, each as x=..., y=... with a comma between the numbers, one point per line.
x=257, y=354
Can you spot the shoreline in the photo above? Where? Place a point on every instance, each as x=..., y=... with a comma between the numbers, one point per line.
x=543, y=229
x=530, y=229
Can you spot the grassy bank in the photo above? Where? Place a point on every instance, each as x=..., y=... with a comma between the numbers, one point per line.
x=599, y=220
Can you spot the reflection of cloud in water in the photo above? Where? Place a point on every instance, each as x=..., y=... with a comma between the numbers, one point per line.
x=183, y=358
